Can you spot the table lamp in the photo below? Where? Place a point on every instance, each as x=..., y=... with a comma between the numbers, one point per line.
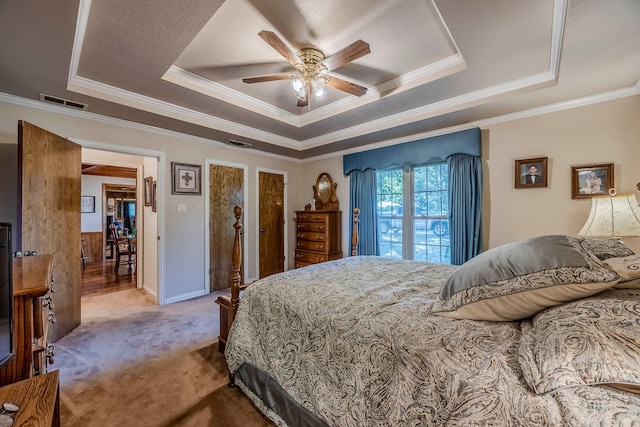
x=614, y=216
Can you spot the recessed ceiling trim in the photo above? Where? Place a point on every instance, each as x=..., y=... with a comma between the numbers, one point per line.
x=102, y=91
x=467, y=100
x=431, y=72
x=120, y=96
x=483, y=123
x=184, y=78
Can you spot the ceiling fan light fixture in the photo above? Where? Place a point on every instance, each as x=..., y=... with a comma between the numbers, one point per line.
x=320, y=88
x=297, y=85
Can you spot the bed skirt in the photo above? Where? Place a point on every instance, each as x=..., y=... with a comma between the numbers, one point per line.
x=266, y=393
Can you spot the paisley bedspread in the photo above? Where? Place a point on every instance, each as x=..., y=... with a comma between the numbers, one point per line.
x=355, y=343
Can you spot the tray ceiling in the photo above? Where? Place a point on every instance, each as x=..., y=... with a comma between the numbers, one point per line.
x=433, y=64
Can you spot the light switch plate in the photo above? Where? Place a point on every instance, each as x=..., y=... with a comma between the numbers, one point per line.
x=181, y=208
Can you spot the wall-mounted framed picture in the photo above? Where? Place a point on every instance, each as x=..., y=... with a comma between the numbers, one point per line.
x=531, y=173
x=591, y=180
x=154, y=196
x=87, y=204
x=185, y=178
x=147, y=190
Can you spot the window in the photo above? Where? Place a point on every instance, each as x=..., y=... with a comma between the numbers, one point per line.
x=421, y=232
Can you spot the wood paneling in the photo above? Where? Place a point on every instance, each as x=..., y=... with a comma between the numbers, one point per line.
x=51, y=214
x=271, y=213
x=106, y=170
x=226, y=190
x=93, y=249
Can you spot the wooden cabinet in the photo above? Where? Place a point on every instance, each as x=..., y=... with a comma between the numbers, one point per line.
x=32, y=313
x=318, y=237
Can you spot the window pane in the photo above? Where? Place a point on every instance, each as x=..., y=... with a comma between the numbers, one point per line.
x=390, y=199
x=427, y=219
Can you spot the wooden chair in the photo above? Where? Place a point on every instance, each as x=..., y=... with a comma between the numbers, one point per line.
x=83, y=256
x=122, y=247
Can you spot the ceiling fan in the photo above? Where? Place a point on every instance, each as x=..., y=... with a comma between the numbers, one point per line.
x=312, y=68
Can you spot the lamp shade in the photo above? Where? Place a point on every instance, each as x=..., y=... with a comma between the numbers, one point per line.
x=616, y=216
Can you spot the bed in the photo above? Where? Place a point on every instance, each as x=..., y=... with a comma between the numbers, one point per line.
x=370, y=341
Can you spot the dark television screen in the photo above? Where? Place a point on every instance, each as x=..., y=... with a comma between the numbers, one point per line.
x=6, y=294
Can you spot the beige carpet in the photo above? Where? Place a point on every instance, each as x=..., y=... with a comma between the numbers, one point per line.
x=132, y=363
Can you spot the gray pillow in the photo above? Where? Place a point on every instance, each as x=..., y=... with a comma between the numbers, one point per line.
x=517, y=280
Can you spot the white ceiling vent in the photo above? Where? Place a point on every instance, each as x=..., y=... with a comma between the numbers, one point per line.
x=239, y=143
x=65, y=102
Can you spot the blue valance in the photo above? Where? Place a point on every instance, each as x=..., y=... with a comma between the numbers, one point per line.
x=429, y=150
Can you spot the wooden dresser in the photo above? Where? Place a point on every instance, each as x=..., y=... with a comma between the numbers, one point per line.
x=318, y=237
x=32, y=312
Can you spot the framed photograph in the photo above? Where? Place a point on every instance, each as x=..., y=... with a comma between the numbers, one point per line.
x=147, y=190
x=185, y=179
x=531, y=173
x=154, y=199
x=87, y=204
x=591, y=180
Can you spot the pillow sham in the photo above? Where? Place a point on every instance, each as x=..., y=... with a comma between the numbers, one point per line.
x=517, y=280
x=605, y=248
x=628, y=268
x=587, y=342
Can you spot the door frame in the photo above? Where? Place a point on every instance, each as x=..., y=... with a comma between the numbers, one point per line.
x=245, y=235
x=161, y=157
x=286, y=222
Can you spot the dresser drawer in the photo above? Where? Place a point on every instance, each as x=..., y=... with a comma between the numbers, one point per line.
x=311, y=245
x=316, y=237
x=312, y=226
x=309, y=257
x=311, y=217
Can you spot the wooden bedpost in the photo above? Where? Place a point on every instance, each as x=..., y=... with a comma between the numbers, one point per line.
x=354, y=235
x=236, y=263
x=229, y=303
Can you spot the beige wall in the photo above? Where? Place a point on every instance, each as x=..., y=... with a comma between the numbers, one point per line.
x=599, y=133
x=607, y=132
x=182, y=263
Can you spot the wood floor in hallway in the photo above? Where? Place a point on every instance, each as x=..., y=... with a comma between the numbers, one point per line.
x=100, y=277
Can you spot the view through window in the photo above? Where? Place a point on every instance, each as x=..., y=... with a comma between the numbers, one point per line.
x=420, y=232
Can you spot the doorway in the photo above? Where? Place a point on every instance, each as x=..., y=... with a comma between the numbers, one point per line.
x=271, y=222
x=225, y=190
x=118, y=183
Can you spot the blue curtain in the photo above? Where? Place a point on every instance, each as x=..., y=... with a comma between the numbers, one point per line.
x=461, y=150
x=363, y=196
x=465, y=206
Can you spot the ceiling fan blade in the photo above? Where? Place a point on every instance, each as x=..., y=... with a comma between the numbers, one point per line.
x=280, y=46
x=350, y=53
x=270, y=78
x=345, y=86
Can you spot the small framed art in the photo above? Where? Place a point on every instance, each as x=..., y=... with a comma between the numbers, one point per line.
x=185, y=178
x=591, y=180
x=147, y=190
x=531, y=173
x=87, y=204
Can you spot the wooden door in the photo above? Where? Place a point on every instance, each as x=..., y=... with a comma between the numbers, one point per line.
x=226, y=190
x=271, y=223
x=50, y=197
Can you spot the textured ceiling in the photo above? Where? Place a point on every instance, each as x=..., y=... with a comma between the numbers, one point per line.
x=433, y=64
